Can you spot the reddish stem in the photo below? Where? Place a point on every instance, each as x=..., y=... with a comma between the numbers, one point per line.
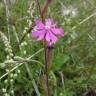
x=45, y=8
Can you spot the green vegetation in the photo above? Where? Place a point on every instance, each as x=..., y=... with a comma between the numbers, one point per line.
x=73, y=71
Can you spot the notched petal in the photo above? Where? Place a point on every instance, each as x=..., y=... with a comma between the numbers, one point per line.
x=58, y=31
x=39, y=24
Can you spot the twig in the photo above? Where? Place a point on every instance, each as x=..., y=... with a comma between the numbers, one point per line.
x=83, y=21
x=10, y=71
x=45, y=8
x=19, y=65
x=42, y=49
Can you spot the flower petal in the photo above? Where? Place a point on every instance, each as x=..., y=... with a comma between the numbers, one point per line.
x=35, y=34
x=49, y=22
x=38, y=34
x=58, y=31
x=48, y=39
x=39, y=24
x=41, y=36
x=50, y=44
x=54, y=39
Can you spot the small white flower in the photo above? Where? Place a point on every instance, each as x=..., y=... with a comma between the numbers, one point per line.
x=15, y=75
x=11, y=54
x=11, y=75
x=28, y=35
x=30, y=22
x=6, y=94
x=24, y=31
x=24, y=52
x=72, y=11
x=24, y=43
x=6, y=81
x=12, y=91
x=7, y=70
x=7, y=57
x=4, y=90
x=65, y=11
x=11, y=80
x=26, y=28
x=18, y=71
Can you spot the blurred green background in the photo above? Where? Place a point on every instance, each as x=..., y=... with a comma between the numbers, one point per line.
x=73, y=71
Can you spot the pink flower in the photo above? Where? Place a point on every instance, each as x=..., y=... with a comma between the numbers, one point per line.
x=47, y=31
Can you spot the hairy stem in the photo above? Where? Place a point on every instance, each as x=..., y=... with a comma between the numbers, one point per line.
x=42, y=14
x=46, y=71
x=45, y=8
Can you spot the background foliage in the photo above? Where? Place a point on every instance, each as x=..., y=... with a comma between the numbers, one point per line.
x=74, y=65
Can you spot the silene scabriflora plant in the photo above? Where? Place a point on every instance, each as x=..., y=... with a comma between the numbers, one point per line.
x=49, y=34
